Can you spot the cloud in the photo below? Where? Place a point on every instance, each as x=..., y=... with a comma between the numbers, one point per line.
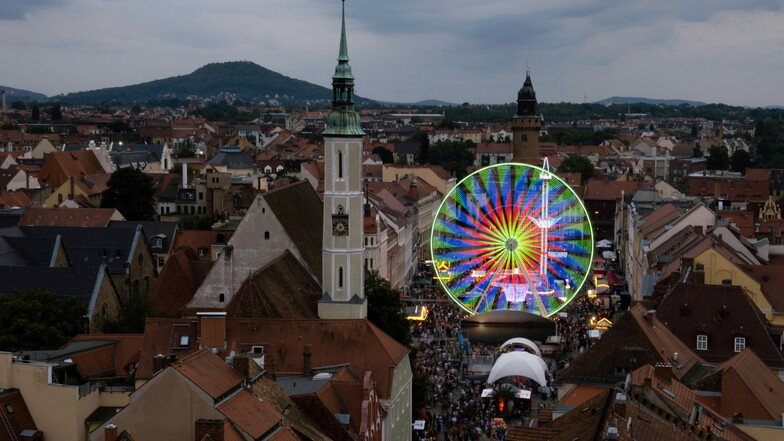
x=408, y=50
x=18, y=9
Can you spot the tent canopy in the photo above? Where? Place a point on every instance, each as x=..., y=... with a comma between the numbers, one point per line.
x=523, y=342
x=521, y=364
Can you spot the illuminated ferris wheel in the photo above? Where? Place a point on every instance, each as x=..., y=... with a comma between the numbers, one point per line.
x=512, y=236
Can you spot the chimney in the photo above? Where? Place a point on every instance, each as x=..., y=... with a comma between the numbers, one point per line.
x=307, y=363
x=245, y=365
x=159, y=362
x=271, y=365
x=184, y=175
x=71, y=196
x=110, y=433
x=620, y=404
x=213, y=428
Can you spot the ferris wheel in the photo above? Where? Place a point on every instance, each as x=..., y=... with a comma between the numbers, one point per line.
x=512, y=237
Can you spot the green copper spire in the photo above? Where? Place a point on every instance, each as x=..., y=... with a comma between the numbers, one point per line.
x=343, y=120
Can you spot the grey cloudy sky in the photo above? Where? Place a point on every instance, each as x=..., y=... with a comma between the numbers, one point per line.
x=729, y=51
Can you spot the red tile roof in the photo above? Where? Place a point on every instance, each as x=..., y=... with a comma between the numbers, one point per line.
x=59, y=166
x=250, y=414
x=209, y=372
x=67, y=217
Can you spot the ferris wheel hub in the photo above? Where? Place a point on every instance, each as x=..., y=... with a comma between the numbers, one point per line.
x=511, y=244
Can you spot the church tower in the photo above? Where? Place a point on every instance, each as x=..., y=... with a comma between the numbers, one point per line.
x=526, y=123
x=343, y=276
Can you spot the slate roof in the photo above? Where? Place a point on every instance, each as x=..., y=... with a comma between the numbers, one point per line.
x=24, y=251
x=156, y=150
x=79, y=283
x=299, y=209
x=137, y=160
x=91, y=247
x=281, y=289
x=232, y=160
x=66, y=217
x=722, y=313
x=150, y=228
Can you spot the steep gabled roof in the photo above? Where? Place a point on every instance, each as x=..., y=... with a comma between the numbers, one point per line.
x=178, y=280
x=299, y=209
x=721, y=313
x=59, y=166
x=757, y=382
x=281, y=289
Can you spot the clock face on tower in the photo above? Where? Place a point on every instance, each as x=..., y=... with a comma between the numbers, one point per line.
x=339, y=225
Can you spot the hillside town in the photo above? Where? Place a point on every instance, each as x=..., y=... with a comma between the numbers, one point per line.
x=220, y=275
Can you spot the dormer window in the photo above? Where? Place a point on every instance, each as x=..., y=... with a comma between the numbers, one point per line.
x=157, y=242
x=702, y=342
x=740, y=344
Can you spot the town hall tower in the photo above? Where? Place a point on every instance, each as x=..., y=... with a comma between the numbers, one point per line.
x=526, y=123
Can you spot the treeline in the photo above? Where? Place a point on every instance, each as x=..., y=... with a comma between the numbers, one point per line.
x=561, y=112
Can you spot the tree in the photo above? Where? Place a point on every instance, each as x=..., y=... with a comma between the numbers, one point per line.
x=424, y=145
x=740, y=160
x=130, y=191
x=119, y=126
x=132, y=316
x=697, y=151
x=503, y=395
x=185, y=149
x=385, y=309
x=18, y=105
x=577, y=164
x=718, y=158
x=386, y=156
x=38, y=320
x=36, y=112
x=454, y=156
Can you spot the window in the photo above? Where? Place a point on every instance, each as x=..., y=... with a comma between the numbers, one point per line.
x=201, y=195
x=340, y=277
x=740, y=344
x=702, y=342
x=184, y=339
x=266, y=235
x=141, y=258
x=9, y=408
x=366, y=243
x=222, y=297
x=202, y=251
x=157, y=242
x=340, y=164
x=161, y=261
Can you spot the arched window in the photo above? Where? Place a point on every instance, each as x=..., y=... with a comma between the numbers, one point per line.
x=340, y=277
x=341, y=210
x=221, y=297
x=340, y=164
x=146, y=284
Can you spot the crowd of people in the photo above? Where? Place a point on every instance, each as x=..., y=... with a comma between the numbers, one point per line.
x=456, y=410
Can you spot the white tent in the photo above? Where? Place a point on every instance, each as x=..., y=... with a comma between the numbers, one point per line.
x=524, y=342
x=521, y=364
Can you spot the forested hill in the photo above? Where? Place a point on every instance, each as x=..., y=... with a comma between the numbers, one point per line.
x=21, y=95
x=245, y=80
